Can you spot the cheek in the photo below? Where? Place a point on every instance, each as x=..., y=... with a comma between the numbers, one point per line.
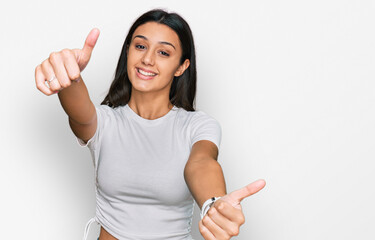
x=129, y=70
x=133, y=56
x=169, y=67
x=130, y=59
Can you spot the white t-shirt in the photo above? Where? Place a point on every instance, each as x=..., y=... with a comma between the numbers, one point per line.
x=139, y=165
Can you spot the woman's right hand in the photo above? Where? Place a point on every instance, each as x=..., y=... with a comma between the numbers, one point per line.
x=66, y=66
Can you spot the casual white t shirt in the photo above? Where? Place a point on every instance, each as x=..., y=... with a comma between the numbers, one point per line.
x=139, y=165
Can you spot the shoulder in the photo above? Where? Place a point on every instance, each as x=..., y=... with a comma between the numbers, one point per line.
x=106, y=110
x=108, y=116
x=204, y=127
x=195, y=117
x=202, y=118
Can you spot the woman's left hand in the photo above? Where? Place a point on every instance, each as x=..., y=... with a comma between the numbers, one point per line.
x=225, y=216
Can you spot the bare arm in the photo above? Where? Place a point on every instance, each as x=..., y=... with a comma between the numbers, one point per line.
x=203, y=174
x=78, y=106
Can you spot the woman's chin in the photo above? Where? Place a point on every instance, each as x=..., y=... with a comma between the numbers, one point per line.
x=141, y=88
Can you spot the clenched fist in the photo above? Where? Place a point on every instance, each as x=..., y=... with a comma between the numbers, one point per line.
x=61, y=68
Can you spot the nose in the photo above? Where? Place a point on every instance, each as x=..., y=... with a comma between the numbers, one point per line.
x=148, y=58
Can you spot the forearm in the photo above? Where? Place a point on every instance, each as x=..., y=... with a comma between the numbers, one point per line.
x=205, y=179
x=76, y=103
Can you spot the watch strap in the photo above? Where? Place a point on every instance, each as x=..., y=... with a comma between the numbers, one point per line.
x=207, y=205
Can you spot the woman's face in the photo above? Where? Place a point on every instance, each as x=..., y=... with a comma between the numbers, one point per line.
x=154, y=58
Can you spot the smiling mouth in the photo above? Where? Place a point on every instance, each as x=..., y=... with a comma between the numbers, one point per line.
x=149, y=74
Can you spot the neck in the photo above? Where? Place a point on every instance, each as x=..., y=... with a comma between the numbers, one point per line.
x=150, y=106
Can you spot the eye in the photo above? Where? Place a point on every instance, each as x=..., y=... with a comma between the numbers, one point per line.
x=138, y=46
x=164, y=53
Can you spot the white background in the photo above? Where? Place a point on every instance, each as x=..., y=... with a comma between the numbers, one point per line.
x=291, y=83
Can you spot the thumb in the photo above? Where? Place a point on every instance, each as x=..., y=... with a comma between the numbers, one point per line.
x=237, y=196
x=83, y=55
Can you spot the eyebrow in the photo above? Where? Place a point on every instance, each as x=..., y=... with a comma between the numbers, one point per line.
x=162, y=42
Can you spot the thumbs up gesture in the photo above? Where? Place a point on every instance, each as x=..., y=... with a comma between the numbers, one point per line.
x=61, y=68
x=225, y=216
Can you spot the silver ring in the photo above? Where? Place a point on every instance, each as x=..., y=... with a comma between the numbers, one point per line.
x=52, y=78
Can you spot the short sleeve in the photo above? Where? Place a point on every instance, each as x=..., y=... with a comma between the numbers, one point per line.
x=205, y=127
x=94, y=141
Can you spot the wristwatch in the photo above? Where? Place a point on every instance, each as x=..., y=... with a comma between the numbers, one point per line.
x=207, y=205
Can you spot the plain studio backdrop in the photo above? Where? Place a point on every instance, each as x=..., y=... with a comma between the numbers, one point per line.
x=291, y=83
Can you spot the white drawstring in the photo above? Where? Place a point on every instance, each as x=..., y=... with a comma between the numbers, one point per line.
x=87, y=228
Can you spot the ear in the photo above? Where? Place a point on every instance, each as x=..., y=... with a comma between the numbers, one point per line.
x=181, y=69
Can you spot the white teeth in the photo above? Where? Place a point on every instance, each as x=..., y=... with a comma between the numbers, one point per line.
x=146, y=73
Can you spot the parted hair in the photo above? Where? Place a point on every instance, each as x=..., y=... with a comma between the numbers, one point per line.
x=183, y=88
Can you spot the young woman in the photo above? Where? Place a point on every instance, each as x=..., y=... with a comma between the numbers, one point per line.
x=153, y=153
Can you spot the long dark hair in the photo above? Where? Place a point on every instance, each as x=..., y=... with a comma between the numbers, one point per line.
x=183, y=88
